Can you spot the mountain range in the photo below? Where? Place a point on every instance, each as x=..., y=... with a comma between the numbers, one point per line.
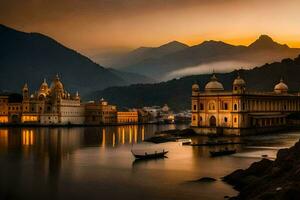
x=176, y=59
x=30, y=57
x=176, y=92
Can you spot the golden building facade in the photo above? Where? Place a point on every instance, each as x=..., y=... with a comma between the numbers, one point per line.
x=48, y=105
x=4, y=109
x=127, y=117
x=240, y=111
x=100, y=113
x=52, y=105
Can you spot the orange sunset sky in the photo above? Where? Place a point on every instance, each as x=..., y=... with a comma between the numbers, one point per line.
x=93, y=26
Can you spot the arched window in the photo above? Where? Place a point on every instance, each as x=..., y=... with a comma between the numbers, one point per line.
x=235, y=107
x=211, y=106
x=225, y=119
x=225, y=106
x=195, y=107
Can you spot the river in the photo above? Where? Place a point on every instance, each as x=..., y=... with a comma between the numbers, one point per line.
x=96, y=163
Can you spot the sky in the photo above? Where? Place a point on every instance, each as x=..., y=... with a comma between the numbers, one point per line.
x=93, y=26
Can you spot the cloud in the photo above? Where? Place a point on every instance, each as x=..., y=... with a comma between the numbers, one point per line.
x=222, y=66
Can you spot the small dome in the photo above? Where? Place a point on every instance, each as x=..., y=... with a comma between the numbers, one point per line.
x=214, y=85
x=195, y=87
x=56, y=84
x=239, y=81
x=281, y=87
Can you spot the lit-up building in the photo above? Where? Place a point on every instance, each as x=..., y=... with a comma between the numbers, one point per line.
x=10, y=108
x=55, y=106
x=240, y=111
x=100, y=113
x=4, y=109
x=127, y=117
x=52, y=105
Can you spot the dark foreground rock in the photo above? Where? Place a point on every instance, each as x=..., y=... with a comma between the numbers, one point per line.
x=266, y=179
x=205, y=180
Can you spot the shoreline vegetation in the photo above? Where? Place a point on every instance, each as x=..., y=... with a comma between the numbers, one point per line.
x=269, y=180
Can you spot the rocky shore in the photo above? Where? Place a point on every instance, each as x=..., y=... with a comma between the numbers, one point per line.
x=267, y=179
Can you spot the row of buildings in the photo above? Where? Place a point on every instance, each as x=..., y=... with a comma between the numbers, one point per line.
x=53, y=105
x=240, y=111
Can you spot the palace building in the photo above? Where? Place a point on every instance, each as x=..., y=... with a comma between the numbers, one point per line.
x=100, y=113
x=53, y=105
x=48, y=105
x=240, y=111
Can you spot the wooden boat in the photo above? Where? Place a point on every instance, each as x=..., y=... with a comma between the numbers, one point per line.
x=148, y=155
x=222, y=152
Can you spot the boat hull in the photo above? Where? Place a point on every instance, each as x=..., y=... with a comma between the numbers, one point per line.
x=150, y=156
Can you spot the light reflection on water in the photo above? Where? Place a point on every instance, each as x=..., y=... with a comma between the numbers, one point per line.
x=96, y=163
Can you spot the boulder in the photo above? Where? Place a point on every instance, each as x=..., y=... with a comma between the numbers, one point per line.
x=259, y=168
x=266, y=179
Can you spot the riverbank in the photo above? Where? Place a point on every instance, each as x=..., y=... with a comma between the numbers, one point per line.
x=269, y=180
x=76, y=125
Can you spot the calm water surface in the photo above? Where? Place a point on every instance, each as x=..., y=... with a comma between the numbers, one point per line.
x=96, y=163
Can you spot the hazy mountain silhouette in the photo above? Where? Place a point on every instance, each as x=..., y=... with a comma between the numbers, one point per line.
x=206, y=56
x=266, y=42
x=29, y=57
x=144, y=53
x=176, y=93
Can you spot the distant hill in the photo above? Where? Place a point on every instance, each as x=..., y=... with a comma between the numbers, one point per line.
x=29, y=57
x=131, y=77
x=205, y=57
x=144, y=53
x=176, y=93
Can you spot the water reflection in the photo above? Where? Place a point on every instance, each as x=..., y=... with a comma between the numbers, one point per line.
x=64, y=163
x=51, y=145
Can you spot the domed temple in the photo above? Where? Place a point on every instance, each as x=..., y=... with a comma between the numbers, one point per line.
x=240, y=111
x=54, y=105
x=51, y=105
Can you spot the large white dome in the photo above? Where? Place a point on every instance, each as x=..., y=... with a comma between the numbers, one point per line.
x=214, y=85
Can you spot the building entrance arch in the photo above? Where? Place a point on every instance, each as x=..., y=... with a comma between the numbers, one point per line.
x=212, y=121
